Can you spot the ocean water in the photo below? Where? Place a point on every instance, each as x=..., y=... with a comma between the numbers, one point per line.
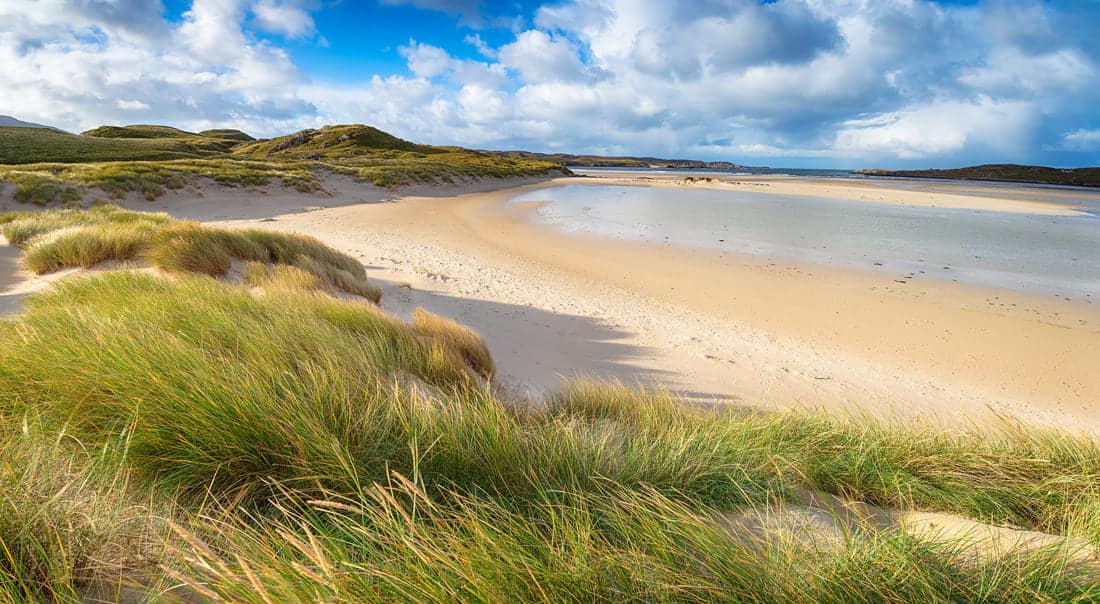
x=1052, y=255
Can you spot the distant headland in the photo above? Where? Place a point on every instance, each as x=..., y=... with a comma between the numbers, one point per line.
x=1081, y=177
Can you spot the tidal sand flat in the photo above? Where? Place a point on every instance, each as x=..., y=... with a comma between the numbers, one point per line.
x=1039, y=252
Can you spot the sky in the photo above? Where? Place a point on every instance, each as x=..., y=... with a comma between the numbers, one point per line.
x=792, y=83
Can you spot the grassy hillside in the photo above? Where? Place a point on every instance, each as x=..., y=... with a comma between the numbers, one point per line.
x=1086, y=177
x=385, y=160
x=151, y=159
x=332, y=142
x=228, y=134
x=138, y=131
x=267, y=442
x=36, y=145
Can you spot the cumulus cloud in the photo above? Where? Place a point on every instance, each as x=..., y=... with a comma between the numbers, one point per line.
x=283, y=18
x=1082, y=140
x=893, y=81
x=539, y=57
x=937, y=129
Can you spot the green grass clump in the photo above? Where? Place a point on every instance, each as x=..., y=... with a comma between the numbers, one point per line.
x=72, y=238
x=21, y=227
x=280, y=276
x=304, y=388
x=41, y=188
x=461, y=338
x=1019, y=476
x=396, y=543
x=70, y=517
x=85, y=246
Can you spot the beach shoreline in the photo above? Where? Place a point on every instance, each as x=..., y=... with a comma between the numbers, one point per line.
x=953, y=195
x=714, y=327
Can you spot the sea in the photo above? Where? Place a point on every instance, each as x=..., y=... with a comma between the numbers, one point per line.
x=1048, y=255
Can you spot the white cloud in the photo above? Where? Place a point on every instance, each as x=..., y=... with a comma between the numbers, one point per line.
x=539, y=57
x=482, y=47
x=131, y=105
x=937, y=129
x=425, y=60
x=1011, y=72
x=283, y=18
x=1082, y=140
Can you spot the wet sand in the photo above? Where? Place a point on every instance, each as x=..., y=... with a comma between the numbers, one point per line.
x=941, y=194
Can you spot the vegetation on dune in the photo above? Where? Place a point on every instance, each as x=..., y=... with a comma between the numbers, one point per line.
x=43, y=184
x=267, y=442
x=138, y=131
x=385, y=160
x=72, y=238
x=228, y=134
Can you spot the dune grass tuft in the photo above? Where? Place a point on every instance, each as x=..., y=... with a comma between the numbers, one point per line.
x=71, y=516
x=308, y=449
x=59, y=239
x=463, y=339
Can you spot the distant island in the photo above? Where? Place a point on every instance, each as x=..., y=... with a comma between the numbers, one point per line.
x=1082, y=177
x=600, y=161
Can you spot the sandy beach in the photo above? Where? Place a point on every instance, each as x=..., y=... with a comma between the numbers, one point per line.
x=718, y=328
x=715, y=327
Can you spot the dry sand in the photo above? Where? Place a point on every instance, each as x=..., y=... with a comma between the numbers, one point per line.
x=715, y=327
x=15, y=281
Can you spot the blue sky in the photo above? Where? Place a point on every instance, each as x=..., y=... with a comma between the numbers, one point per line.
x=815, y=83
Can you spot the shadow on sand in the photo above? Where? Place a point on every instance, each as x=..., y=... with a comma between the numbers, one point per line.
x=536, y=349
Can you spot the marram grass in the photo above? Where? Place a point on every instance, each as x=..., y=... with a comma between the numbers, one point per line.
x=266, y=442
x=59, y=239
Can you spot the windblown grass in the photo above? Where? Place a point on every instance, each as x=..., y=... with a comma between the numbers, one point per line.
x=461, y=338
x=312, y=449
x=71, y=516
x=396, y=543
x=72, y=238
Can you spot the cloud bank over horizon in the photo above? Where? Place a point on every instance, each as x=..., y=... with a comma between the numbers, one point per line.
x=842, y=83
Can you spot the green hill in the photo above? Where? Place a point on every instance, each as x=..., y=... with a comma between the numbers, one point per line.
x=48, y=166
x=1083, y=177
x=333, y=142
x=138, y=131
x=228, y=134
x=114, y=143
x=37, y=145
